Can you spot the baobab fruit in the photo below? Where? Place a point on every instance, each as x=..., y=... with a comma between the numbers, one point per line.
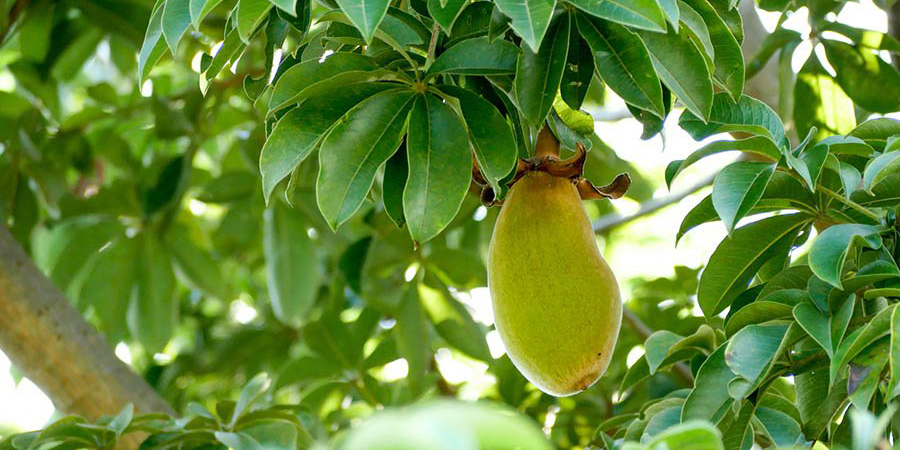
x=556, y=302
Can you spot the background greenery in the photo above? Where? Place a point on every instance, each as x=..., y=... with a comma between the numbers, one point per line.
x=140, y=142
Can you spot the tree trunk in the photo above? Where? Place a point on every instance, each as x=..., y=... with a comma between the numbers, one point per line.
x=47, y=339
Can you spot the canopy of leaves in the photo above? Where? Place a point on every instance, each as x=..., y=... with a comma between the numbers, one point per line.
x=246, y=186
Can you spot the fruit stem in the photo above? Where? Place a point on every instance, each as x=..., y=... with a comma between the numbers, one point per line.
x=547, y=144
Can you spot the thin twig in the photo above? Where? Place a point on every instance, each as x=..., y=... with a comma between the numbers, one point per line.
x=679, y=369
x=610, y=221
x=432, y=46
x=18, y=8
x=861, y=209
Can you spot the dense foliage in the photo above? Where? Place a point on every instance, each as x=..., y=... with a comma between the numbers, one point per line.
x=326, y=181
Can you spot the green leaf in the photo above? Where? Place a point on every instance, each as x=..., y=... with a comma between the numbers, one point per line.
x=366, y=15
x=826, y=330
x=698, y=32
x=121, y=420
x=747, y=114
x=692, y=435
x=751, y=350
x=894, y=355
x=728, y=59
x=876, y=328
x=231, y=49
x=445, y=12
x=199, y=9
x=682, y=67
x=108, y=285
x=865, y=373
x=250, y=394
x=876, y=131
x=250, y=13
x=794, y=277
x=825, y=105
x=195, y=263
x=301, y=130
x=490, y=135
x=623, y=62
x=782, y=428
x=657, y=346
x=411, y=334
x=529, y=18
x=538, y=75
x=153, y=47
x=176, y=18
x=153, y=311
x=314, y=77
x=273, y=434
x=439, y=168
x=363, y=139
x=847, y=145
x=578, y=71
x=870, y=81
x=759, y=145
x=878, y=169
x=872, y=39
x=829, y=250
x=738, y=187
x=816, y=402
x=756, y=312
x=739, y=256
x=292, y=268
x=453, y=322
x=810, y=163
x=644, y=14
x=710, y=391
x=288, y=6
x=885, y=193
x=478, y=56
x=396, y=171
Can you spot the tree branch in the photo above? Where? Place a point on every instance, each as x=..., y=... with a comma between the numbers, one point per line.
x=46, y=337
x=610, y=221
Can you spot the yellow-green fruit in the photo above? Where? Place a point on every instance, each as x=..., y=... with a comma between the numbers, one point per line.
x=556, y=302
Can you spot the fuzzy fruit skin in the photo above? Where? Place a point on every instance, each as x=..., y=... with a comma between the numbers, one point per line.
x=556, y=302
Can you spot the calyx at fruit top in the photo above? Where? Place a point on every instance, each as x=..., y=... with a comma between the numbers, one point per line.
x=546, y=159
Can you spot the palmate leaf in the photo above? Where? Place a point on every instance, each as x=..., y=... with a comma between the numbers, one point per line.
x=439, y=167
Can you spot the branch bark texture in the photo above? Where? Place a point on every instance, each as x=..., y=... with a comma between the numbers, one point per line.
x=46, y=337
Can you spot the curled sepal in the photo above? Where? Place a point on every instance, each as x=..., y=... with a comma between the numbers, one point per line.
x=616, y=189
x=566, y=168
